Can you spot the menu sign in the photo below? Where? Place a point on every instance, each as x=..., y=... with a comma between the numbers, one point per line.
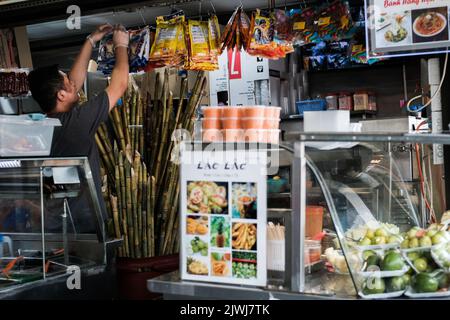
x=223, y=216
x=407, y=27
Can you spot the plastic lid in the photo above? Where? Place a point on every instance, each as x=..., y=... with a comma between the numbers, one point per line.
x=27, y=120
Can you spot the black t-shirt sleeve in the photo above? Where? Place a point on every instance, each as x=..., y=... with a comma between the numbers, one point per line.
x=92, y=113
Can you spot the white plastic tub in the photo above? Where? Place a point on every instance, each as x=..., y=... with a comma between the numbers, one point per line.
x=20, y=136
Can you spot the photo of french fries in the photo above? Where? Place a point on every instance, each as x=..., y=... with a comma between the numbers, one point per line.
x=220, y=264
x=244, y=236
x=197, y=225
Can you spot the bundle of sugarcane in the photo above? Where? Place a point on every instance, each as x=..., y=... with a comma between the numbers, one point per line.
x=142, y=180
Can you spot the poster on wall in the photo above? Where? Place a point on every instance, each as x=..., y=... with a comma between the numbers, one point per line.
x=407, y=27
x=223, y=216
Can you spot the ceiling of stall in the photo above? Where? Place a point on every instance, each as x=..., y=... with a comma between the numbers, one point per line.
x=132, y=17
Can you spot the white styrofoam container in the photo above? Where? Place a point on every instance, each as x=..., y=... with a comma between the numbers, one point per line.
x=327, y=121
x=20, y=136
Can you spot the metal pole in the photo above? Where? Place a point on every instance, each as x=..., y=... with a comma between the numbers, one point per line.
x=298, y=217
x=65, y=241
x=42, y=222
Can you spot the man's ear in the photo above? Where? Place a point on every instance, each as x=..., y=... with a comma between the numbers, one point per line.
x=61, y=95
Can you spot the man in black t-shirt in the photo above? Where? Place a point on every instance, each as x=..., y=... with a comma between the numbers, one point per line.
x=57, y=95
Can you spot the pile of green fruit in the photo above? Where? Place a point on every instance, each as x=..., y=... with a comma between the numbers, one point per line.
x=199, y=246
x=244, y=270
x=417, y=237
x=379, y=236
x=391, y=261
x=430, y=282
x=422, y=261
x=377, y=285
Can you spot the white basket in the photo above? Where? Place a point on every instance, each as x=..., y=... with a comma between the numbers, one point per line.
x=275, y=255
x=382, y=295
x=384, y=274
x=412, y=294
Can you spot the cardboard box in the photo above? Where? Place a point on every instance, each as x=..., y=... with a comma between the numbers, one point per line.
x=23, y=47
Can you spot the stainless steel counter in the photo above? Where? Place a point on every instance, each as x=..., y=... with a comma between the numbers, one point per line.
x=172, y=287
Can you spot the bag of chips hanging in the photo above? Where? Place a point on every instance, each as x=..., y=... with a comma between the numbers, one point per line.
x=214, y=35
x=106, y=58
x=169, y=47
x=139, y=49
x=303, y=26
x=200, y=55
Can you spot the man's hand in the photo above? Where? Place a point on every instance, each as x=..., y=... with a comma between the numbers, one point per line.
x=120, y=36
x=100, y=32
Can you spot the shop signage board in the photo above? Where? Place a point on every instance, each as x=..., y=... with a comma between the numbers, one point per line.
x=407, y=27
x=223, y=203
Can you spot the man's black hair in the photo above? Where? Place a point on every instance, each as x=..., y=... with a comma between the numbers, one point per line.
x=44, y=84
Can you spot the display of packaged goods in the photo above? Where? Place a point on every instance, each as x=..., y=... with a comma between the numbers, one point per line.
x=202, y=56
x=236, y=32
x=169, y=47
x=345, y=101
x=139, y=49
x=14, y=82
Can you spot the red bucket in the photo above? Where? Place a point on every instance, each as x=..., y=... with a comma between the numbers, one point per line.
x=132, y=275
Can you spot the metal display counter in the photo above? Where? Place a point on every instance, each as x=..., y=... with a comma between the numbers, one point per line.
x=360, y=181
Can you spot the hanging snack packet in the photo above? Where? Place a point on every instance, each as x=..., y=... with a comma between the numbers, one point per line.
x=200, y=57
x=106, y=58
x=262, y=31
x=139, y=49
x=334, y=20
x=169, y=47
x=236, y=32
x=214, y=35
x=283, y=26
x=304, y=27
x=283, y=32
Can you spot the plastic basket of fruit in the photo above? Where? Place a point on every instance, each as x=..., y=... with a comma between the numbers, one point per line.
x=373, y=236
x=429, y=285
x=383, y=264
x=424, y=238
x=441, y=255
x=384, y=288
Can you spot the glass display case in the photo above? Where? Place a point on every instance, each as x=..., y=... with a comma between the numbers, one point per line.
x=366, y=211
x=360, y=216
x=50, y=220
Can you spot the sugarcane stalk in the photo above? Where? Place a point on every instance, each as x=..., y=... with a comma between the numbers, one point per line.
x=139, y=206
x=118, y=200
x=119, y=129
x=144, y=211
x=105, y=157
x=106, y=144
x=152, y=216
x=135, y=181
x=129, y=206
x=123, y=194
x=149, y=225
x=172, y=209
x=175, y=237
x=160, y=167
x=180, y=102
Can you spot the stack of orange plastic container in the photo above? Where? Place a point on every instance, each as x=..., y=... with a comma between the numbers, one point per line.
x=241, y=124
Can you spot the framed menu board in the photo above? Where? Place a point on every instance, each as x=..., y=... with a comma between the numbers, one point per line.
x=223, y=216
x=407, y=27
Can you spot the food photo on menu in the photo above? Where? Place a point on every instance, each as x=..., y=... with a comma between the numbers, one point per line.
x=244, y=204
x=220, y=232
x=221, y=264
x=393, y=29
x=207, y=197
x=244, y=236
x=430, y=25
x=244, y=265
